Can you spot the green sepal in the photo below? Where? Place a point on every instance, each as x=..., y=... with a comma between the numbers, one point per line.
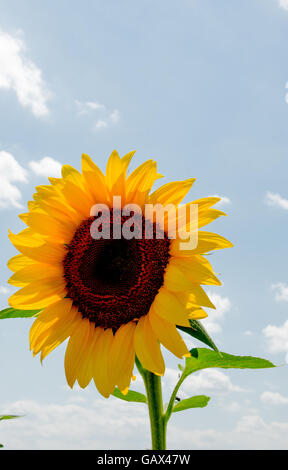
x=198, y=331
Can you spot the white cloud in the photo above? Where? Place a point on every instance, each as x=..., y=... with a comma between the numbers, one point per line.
x=233, y=407
x=248, y=423
x=112, y=118
x=205, y=381
x=277, y=338
x=113, y=424
x=283, y=4
x=106, y=118
x=84, y=426
x=10, y=172
x=20, y=74
x=281, y=291
x=211, y=381
x=101, y=124
x=248, y=333
x=47, y=166
x=274, y=199
x=84, y=107
x=4, y=290
x=250, y=432
x=224, y=200
x=223, y=305
x=273, y=398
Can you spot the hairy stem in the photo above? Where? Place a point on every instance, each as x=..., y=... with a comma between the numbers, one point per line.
x=155, y=405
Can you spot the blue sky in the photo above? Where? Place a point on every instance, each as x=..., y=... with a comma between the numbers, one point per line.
x=199, y=86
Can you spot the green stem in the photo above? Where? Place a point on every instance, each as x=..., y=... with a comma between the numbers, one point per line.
x=155, y=405
x=171, y=403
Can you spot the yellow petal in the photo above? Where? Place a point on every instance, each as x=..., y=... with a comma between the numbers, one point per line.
x=57, y=183
x=147, y=347
x=122, y=355
x=26, y=237
x=23, y=217
x=45, y=191
x=207, y=241
x=59, y=209
x=205, y=202
x=81, y=201
x=168, y=335
x=57, y=335
x=34, y=272
x=175, y=280
x=47, y=252
x=208, y=216
x=168, y=306
x=196, y=270
x=101, y=376
x=205, y=214
x=197, y=314
x=89, y=165
x=34, y=206
x=57, y=313
x=86, y=365
x=73, y=175
x=196, y=296
x=48, y=315
x=19, y=262
x=38, y=294
x=171, y=193
x=140, y=182
x=44, y=224
x=127, y=159
x=115, y=175
x=77, y=347
x=94, y=180
x=54, y=341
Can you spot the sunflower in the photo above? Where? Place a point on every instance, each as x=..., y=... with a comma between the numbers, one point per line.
x=113, y=298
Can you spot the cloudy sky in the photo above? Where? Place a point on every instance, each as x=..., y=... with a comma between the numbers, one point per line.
x=202, y=87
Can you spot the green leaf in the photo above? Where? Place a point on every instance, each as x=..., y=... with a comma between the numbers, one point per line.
x=202, y=358
x=8, y=417
x=198, y=331
x=198, y=401
x=13, y=313
x=130, y=396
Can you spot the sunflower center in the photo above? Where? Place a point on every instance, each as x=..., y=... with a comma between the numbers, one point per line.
x=114, y=281
x=114, y=262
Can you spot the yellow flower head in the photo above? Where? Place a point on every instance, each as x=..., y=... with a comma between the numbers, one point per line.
x=112, y=296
